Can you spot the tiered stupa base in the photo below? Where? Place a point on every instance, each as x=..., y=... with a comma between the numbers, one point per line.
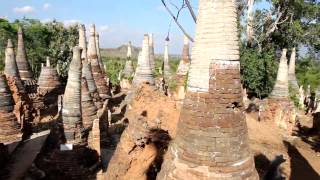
x=212, y=138
x=282, y=112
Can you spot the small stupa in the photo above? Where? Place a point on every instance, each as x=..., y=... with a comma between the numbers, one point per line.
x=143, y=71
x=48, y=79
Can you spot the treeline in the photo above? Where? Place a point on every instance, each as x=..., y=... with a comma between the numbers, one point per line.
x=51, y=39
x=265, y=32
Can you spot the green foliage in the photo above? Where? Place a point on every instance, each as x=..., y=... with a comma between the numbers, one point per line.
x=158, y=67
x=115, y=65
x=41, y=40
x=172, y=84
x=258, y=70
x=308, y=73
x=293, y=95
x=299, y=23
x=173, y=63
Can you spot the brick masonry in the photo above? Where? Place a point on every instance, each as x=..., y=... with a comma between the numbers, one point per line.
x=212, y=138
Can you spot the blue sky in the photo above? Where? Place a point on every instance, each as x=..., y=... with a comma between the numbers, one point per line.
x=118, y=21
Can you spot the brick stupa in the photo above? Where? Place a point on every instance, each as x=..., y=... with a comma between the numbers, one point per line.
x=212, y=136
x=22, y=61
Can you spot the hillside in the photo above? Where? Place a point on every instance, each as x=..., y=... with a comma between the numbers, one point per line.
x=121, y=52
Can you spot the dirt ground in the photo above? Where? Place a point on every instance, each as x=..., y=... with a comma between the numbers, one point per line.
x=267, y=141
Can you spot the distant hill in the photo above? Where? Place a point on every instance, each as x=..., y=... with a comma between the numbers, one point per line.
x=121, y=52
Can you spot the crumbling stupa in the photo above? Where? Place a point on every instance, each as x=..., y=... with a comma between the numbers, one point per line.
x=98, y=76
x=128, y=68
x=71, y=110
x=182, y=71
x=89, y=110
x=183, y=67
x=9, y=128
x=151, y=51
x=22, y=61
x=97, y=39
x=83, y=41
x=280, y=109
x=127, y=74
x=143, y=71
x=48, y=79
x=212, y=137
x=292, y=70
x=281, y=89
x=86, y=66
x=11, y=68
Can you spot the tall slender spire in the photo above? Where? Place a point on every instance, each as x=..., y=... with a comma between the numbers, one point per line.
x=166, y=67
x=11, y=68
x=86, y=66
x=22, y=62
x=292, y=70
x=212, y=137
x=183, y=67
x=97, y=39
x=151, y=51
x=83, y=41
x=9, y=130
x=71, y=111
x=128, y=68
x=98, y=76
x=281, y=89
x=129, y=51
x=143, y=71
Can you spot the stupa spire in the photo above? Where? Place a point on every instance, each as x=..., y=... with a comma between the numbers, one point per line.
x=22, y=61
x=11, y=68
x=151, y=52
x=71, y=111
x=143, y=72
x=281, y=86
x=292, y=70
x=98, y=75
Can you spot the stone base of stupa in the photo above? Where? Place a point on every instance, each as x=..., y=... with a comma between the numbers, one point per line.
x=282, y=112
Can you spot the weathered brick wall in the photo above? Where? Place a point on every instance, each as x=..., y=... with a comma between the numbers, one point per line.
x=212, y=137
x=9, y=129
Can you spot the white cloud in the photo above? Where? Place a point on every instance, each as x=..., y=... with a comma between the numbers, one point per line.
x=46, y=6
x=104, y=28
x=71, y=22
x=24, y=9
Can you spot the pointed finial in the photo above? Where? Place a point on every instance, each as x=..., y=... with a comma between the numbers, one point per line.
x=48, y=61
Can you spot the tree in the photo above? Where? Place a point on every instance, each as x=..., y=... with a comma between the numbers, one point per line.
x=41, y=39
